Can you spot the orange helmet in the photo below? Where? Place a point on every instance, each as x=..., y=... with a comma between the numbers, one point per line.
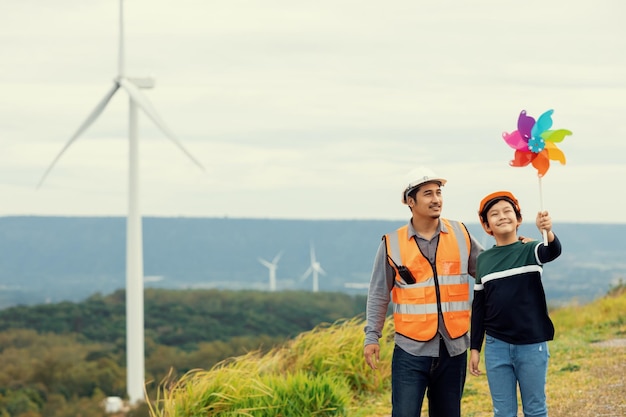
x=491, y=199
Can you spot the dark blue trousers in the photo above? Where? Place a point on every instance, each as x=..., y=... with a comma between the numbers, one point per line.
x=442, y=379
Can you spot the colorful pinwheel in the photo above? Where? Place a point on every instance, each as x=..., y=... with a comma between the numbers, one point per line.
x=535, y=143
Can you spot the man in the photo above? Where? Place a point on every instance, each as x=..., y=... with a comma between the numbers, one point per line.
x=424, y=268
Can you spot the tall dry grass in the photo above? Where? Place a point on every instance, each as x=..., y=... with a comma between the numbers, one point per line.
x=322, y=373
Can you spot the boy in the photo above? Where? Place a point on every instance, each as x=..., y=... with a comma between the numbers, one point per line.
x=510, y=308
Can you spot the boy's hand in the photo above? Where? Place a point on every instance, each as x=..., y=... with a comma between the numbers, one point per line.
x=474, y=361
x=544, y=221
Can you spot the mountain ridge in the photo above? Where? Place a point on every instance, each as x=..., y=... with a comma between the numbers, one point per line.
x=68, y=258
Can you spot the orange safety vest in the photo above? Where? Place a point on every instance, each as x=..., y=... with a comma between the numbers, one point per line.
x=416, y=305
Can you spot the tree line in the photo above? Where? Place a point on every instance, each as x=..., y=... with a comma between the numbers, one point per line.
x=62, y=360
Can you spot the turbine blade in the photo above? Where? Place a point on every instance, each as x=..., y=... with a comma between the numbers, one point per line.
x=121, y=52
x=90, y=119
x=142, y=101
x=265, y=263
x=306, y=274
x=277, y=257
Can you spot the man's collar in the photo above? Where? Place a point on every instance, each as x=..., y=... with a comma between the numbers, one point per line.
x=441, y=228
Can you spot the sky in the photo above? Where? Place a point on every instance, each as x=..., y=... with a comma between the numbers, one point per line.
x=312, y=110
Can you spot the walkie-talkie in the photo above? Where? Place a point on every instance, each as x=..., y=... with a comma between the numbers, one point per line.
x=406, y=274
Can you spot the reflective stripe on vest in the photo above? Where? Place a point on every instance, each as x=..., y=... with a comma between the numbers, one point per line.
x=416, y=305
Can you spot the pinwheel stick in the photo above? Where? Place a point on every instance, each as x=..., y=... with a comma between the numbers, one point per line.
x=544, y=232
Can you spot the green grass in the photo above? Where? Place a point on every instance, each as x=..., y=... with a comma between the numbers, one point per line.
x=322, y=373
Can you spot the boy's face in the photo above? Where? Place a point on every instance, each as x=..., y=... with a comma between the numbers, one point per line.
x=428, y=201
x=501, y=219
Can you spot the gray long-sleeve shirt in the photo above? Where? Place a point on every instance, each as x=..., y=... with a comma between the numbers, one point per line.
x=379, y=297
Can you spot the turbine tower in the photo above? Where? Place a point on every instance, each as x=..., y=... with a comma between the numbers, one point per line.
x=315, y=269
x=272, y=266
x=135, y=352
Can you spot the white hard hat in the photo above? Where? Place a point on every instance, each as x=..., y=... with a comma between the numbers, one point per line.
x=417, y=177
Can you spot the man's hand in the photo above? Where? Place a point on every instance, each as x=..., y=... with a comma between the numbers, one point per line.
x=525, y=239
x=372, y=355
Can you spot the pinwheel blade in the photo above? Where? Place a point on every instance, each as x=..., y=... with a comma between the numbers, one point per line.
x=541, y=162
x=142, y=101
x=521, y=158
x=555, y=153
x=555, y=135
x=525, y=124
x=88, y=122
x=544, y=122
x=515, y=140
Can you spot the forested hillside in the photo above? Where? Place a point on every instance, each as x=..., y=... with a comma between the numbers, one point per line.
x=62, y=360
x=188, y=317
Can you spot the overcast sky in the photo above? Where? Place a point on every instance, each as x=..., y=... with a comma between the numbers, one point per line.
x=312, y=110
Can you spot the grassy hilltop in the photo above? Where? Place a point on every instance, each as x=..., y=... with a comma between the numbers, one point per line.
x=322, y=373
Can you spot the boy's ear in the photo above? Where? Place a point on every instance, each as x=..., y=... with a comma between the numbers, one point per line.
x=486, y=228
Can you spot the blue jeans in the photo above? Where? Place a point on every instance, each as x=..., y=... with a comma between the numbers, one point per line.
x=507, y=365
x=443, y=379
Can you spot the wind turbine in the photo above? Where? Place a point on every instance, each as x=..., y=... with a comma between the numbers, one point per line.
x=315, y=268
x=272, y=266
x=135, y=353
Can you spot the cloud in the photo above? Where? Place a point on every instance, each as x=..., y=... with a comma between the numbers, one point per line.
x=310, y=110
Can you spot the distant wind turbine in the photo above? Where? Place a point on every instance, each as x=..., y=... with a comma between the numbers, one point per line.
x=135, y=353
x=315, y=269
x=272, y=266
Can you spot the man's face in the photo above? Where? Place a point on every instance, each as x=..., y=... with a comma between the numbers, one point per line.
x=428, y=201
